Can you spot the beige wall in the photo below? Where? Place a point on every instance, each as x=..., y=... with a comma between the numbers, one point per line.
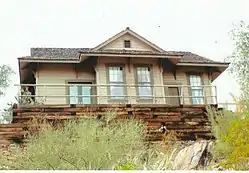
x=136, y=44
x=129, y=75
x=182, y=79
x=61, y=73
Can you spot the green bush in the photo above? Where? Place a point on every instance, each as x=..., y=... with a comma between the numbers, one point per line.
x=126, y=166
x=220, y=122
x=232, y=138
x=238, y=139
x=89, y=144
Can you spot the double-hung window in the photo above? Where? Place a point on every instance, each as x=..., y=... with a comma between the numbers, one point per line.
x=144, y=82
x=196, y=89
x=116, y=81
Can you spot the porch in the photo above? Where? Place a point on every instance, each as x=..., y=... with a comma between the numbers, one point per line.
x=96, y=94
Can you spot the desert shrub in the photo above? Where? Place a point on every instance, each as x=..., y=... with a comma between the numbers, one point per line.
x=88, y=144
x=237, y=139
x=231, y=131
x=220, y=123
x=126, y=166
x=158, y=157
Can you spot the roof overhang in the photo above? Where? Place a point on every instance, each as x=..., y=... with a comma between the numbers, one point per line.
x=129, y=55
x=24, y=62
x=204, y=64
x=49, y=60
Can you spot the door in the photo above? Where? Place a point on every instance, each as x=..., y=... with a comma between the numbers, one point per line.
x=174, y=91
x=80, y=94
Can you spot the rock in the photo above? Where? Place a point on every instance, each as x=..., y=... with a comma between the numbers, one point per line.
x=189, y=158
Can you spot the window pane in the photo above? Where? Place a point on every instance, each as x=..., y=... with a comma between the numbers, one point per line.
x=143, y=74
x=196, y=89
x=73, y=91
x=145, y=91
x=116, y=77
x=116, y=92
x=199, y=97
x=195, y=80
x=116, y=74
x=86, y=92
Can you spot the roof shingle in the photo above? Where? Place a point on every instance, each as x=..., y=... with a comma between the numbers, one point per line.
x=73, y=54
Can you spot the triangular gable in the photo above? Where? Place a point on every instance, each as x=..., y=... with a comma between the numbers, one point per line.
x=138, y=40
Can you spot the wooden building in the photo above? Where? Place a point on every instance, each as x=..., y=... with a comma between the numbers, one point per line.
x=126, y=70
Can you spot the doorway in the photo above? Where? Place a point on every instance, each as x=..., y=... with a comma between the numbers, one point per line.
x=174, y=91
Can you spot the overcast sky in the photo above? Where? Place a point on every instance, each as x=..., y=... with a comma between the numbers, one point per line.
x=199, y=26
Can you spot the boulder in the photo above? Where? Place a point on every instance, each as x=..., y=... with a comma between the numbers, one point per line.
x=191, y=157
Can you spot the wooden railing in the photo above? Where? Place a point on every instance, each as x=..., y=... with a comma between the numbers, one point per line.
x=101, y=94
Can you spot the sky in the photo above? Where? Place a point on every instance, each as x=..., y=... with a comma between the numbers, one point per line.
x=201, y=27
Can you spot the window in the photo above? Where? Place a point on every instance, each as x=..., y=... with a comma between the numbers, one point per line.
x=116, y=77
x=127, y=44
x=196, y=89
x=144, y=82
x=79, y=94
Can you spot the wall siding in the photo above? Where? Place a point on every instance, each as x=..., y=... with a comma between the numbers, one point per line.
x=129, y=75
x=136, y=44
x=59, y=74
x=182, y=79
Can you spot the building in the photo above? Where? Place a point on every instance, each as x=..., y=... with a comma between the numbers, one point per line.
x=125, y=69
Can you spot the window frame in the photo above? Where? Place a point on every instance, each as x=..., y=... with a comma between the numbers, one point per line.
x=112, y=98
x=199, y=74
x=127, y=41
x=81, y=81
x=150, y=66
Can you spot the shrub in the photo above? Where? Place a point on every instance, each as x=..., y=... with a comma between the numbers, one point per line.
x=220, y=123
x=238, y=139
x=88, y=144
x=232, y=138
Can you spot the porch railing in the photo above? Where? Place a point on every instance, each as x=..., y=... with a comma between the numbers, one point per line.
x=103, y=94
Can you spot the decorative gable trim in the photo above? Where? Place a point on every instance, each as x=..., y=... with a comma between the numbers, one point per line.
x=129, y=31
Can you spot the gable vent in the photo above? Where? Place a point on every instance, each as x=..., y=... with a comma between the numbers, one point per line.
x=127, y=44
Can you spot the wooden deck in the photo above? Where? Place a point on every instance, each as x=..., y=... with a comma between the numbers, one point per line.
x=189, y=122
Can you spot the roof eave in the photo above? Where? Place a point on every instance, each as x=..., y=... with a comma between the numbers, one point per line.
x=48, y=60
x=203, y=64
x=129, y=55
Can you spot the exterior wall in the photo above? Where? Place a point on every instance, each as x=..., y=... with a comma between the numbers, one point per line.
x=182, y=79
x=62, y=73
x=101, y=71
x=58, y=74
x=135, y=43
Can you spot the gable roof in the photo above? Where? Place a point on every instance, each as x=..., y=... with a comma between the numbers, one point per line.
x=129, y=31
x=73, y=54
